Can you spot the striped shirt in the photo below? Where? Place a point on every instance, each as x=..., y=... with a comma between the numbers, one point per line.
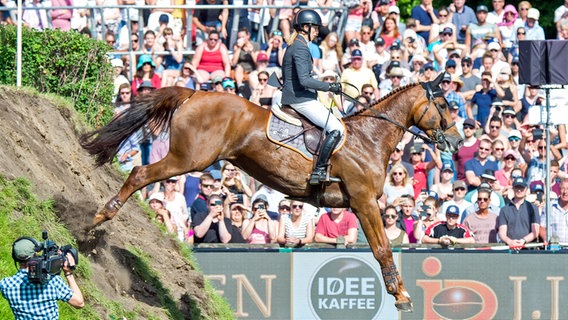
x=300, y=231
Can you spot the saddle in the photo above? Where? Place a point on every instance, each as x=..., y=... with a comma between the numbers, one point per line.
x=288, y=128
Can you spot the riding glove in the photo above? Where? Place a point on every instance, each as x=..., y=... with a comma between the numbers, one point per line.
x=335, y=87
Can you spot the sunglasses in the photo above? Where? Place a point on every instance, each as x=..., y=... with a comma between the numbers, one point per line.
x=514, y=139
x=207, y=186
x=509, y=116
x=284, y=208
x=397, y=77
x=429, y=69
x=510, y=158
x=216, y=203
x=459, y=189
x=465, y=64
x=468, y=127
x=484, y=149
x=186, y=68
x=297, y=206
x=328, y=79
x=398, y=173
x=392, y=216
x=135, y=40
x=452, y=216
x=482, y=199
x=368, y=92
x=495, y=127
x=541, y=147
x=521, y=33
x=262, y=79
x=443, y=15
x=499, y=149
x=213, y=39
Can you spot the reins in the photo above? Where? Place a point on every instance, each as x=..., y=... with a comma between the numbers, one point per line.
x=438, y=132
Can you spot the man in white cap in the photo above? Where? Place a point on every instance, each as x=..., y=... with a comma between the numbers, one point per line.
x=532, y=28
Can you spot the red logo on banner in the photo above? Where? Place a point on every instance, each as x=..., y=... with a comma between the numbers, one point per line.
x=457, y=298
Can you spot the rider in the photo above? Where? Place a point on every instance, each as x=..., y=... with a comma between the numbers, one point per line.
x=300, y=88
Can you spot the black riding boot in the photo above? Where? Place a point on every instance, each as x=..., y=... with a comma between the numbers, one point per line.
x=320, y=173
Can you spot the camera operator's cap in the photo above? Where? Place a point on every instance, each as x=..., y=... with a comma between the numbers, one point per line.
x=394, y=9
x=433, y=194
x=24, y=249
x=459, y=184
x=488, y=174
x=485, y=186
x=447, y=167
x=511, y=111
x=262, y=56
x=537, y=187
x=482, y=8
x=164, y=18
x=353, y=42
x=494, y=45
x=380, y=41
x=453, y=210
x=447, y=30
x=356, y=53
x=216, y=174
x=533, y=14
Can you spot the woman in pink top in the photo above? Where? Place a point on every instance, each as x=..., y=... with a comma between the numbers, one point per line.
x=211, y=58
x=259, y=229
x=61, y=18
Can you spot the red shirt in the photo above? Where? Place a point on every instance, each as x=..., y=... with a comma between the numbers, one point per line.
x=329, y=228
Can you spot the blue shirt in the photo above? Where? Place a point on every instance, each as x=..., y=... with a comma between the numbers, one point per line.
x=483, y=101
x=34, y=301
x=478, y=168
x=424, y=17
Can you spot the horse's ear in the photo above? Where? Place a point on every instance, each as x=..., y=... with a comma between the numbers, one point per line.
x=436, y=82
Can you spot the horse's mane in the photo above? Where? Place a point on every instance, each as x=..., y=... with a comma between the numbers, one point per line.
x=381, y=100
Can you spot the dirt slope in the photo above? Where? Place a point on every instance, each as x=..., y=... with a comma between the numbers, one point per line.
x=39, y=141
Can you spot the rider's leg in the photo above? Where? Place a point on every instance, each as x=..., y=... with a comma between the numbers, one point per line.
x=321, y=116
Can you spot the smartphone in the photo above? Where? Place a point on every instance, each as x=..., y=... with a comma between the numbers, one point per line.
x=537, y=134
x=539, y=196
x=239, y=198
x=261, y=206
x=497, y=109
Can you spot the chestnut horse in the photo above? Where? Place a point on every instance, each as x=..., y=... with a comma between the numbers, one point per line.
x=206, y=127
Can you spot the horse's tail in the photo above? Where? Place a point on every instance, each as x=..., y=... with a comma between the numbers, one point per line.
x=155, y=109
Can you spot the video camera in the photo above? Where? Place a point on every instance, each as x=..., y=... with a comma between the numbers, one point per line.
x=42, y=267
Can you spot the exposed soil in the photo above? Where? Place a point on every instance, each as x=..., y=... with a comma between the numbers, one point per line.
x=39, y=141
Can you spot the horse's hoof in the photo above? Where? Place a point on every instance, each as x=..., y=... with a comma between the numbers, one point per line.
x=404, y=306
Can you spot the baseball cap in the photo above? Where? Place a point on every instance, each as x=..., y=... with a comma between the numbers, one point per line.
x=145, y=84
x=400, y=146
x=174, y=178
x=447, y=167
x=447, y=76
x=494, y=46
x=515, y=133
x=454, y=105
x=353, y=41
x=262, y=56
x=380, y=41
x=453, y=210
x=537, y=187
x=117, y=63
x=469, y=122
x=159, y=196
x=509, y=110
x=217, y=79
x=383, y=2
x=356, y=53
x=413, y=149
x=510, y=153
x=533, y=14
x=394, y=9
x=433, y=194
x=459, y=184
x=488, y=174
x=228, y=83
x=484, y=186
x=447, y=30
x=467, y=59
x=520, y=182
x=449, y=64
x=164, y=18
x=216, y=174
x=24, y=249
x=482, y=8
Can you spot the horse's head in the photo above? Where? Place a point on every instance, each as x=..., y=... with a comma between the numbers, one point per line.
x=432, y=115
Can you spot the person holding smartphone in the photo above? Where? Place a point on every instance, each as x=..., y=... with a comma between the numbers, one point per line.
x=259, y=229
x=212, y=226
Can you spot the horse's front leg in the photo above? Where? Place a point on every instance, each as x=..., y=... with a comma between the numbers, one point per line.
x=140, y=177
x=370, y=218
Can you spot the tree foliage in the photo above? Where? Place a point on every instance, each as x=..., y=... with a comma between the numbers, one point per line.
x=64, y=63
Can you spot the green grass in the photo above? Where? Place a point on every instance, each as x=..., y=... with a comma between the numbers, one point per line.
x=21, y=214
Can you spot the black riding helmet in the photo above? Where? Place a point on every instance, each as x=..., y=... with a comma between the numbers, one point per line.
x=306, y=16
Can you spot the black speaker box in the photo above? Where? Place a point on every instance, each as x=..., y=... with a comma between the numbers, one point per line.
x=543, y=62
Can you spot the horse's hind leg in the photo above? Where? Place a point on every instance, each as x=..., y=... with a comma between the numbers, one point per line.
x=140, y=177
x=369, y=216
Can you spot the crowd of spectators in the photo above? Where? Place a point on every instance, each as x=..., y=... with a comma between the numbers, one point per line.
x=429, y=196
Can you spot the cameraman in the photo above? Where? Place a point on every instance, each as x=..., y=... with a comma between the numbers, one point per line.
x=36, y=300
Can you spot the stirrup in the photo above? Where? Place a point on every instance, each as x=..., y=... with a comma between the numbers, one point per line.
x=317, y=178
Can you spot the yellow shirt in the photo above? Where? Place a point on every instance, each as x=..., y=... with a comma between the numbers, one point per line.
x=357, y=78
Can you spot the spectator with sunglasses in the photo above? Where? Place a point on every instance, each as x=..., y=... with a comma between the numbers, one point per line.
x=519, y=220
x=483, y=223
x=212, y=226
x=295, y=227
x=338, y=226
x=395, y=235
x=449, y=232
x=199, y=205
x=475, y=167
x=459, y=189
x=259, y=229
x=174, y=202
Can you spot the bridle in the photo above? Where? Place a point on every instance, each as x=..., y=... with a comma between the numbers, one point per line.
x=437, y=134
